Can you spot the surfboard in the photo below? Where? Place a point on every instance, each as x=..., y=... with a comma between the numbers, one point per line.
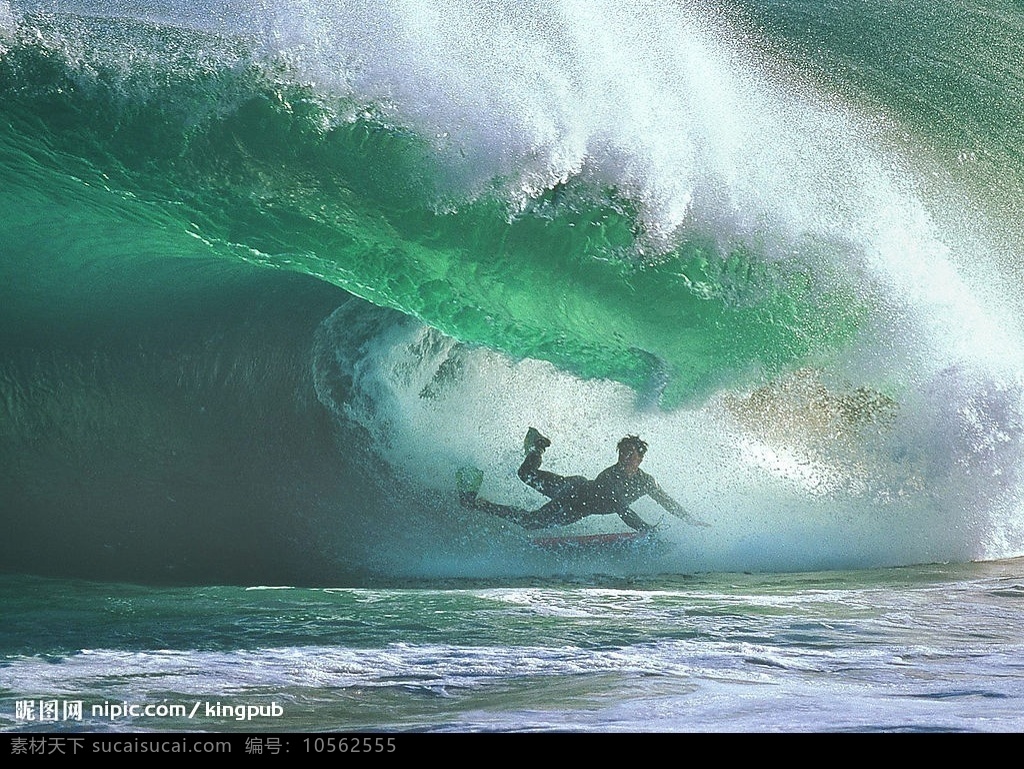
x=612, y=539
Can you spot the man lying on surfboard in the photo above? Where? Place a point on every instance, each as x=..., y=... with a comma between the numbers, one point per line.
x=575, y=497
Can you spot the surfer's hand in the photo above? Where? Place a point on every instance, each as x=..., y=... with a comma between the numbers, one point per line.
x=656, y=526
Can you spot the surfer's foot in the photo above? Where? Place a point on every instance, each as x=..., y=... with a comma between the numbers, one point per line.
x=534, y=441
x=467, y=482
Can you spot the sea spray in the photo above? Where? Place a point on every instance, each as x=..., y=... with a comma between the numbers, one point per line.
x=658, y=218
x=806, y=473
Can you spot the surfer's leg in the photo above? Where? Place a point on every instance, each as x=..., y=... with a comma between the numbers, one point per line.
x=528, y=519
x=551, y=485
x=557, y=512
x=554, y=513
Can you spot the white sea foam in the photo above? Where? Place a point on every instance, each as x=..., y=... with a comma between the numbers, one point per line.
x=936, y=482
x=671, y=105
x=7, y=19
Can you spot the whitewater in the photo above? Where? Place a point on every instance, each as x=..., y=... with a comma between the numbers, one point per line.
x=272, y=272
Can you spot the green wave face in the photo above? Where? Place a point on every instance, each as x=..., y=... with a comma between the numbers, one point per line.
x=187, y=144
x=799, y=220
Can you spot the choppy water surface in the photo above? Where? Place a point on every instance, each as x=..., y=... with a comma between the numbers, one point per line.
x=917, y=649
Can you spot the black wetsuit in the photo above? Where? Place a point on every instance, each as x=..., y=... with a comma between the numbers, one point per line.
x=575, y=497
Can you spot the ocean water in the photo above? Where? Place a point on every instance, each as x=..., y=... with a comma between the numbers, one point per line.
x=271, y=272
x=916, y=649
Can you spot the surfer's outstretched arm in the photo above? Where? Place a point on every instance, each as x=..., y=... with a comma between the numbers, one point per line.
x=634, y=521
x=674, y=507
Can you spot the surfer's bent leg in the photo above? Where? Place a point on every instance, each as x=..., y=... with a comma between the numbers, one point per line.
x=551, y=485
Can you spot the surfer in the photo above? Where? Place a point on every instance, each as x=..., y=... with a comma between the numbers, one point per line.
x=575, y=497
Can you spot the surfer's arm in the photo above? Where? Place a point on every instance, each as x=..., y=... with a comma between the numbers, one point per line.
x=633, y=520
x=674, y=507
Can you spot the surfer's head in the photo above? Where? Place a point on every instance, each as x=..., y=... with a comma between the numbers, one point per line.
x=631, y=452
x=633, y=443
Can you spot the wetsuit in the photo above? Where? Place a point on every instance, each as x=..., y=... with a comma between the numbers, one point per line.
x=574, y=497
